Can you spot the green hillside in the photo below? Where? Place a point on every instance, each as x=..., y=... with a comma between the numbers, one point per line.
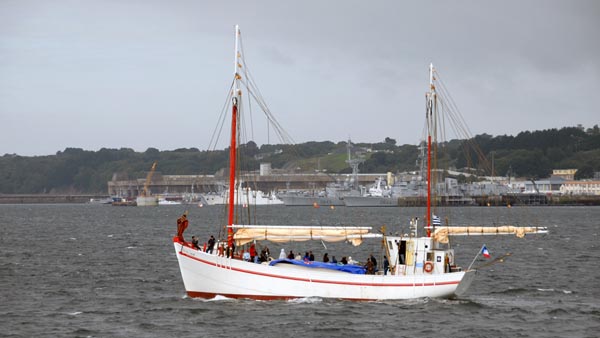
x=529, y=154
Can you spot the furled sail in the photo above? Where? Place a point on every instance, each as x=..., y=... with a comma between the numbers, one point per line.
x=442, y=233
x=283, y=233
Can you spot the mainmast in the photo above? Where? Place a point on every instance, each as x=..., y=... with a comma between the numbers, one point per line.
x=232, y=150
x=431, y=99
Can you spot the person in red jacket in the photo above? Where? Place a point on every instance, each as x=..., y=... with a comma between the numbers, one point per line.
x=252, y=252
x=182, y=224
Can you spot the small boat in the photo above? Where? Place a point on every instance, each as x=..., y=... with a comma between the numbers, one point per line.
x=420, y=263
x=164, y=201
x=123, y=202
x=106, y=200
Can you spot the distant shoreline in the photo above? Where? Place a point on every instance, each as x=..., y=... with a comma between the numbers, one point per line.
x=49, y=198
x=554, y=200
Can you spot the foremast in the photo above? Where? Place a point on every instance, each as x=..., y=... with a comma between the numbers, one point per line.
x=236, y=95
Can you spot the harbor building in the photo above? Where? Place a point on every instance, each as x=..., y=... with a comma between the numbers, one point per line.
x=581, y=188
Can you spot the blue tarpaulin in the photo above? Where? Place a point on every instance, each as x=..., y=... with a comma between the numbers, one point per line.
x=356, y=269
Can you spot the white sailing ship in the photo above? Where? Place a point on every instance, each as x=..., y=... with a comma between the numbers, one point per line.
x=420, y=264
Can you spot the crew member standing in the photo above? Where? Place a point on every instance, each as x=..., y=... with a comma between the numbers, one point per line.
x=252, y=252
x=182, y=224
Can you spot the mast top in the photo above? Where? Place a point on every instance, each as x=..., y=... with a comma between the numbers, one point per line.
x=236, y=63
x=431, y=76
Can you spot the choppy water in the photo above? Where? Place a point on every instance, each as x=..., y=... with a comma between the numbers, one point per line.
x=102, y=271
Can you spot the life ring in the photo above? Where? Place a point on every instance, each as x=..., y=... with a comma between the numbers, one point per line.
x=428, y=267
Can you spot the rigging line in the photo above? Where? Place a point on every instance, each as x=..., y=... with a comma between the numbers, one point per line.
x=246, y=72
x=243, y=131
x=452, y=103
x=250, y=84
x=264, y=108
x=221, y=121
x=253, y=89
x=470, y=143
x=460, y=126
x=283, y=135
x=251, y=118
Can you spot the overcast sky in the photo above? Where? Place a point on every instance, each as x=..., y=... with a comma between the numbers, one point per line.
x=139, y=74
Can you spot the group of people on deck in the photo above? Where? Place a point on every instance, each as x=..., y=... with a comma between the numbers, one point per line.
x=370, y=266
x=251, y=255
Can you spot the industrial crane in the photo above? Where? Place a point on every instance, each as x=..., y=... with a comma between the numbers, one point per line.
x=148, y=179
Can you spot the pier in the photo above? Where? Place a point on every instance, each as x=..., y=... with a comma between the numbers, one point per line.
x=180, y=184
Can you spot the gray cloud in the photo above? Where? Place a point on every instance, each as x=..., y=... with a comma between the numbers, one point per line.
x=145, y=74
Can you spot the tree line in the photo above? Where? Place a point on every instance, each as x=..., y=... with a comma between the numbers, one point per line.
x=528, y=154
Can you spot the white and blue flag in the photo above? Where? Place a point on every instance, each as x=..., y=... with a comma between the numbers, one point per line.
x=435, y=220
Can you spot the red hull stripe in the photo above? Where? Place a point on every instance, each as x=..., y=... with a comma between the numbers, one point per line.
x=317, y=280
x=208, y=295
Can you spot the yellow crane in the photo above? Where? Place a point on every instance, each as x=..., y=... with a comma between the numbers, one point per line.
x=148, y=179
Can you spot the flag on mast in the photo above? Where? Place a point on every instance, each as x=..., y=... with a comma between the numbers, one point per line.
x=485, y=252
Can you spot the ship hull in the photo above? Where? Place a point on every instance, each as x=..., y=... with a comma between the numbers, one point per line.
x=146, y=201
x=294, y=201
x=363, y=201
x=248, y=197
x=207, y=275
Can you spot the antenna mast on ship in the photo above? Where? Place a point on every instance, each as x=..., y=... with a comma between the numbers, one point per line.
x=236, y=95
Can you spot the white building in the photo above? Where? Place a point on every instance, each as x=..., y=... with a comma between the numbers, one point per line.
x=581, y=188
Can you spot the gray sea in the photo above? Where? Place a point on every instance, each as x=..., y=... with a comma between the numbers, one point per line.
x=103, y=271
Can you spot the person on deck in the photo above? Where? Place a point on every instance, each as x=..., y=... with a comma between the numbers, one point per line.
x=311, y=257
x=306, y=257
x=370, y=267
x=344, y=260
x=386, y=265
x=211, y=244
x=282, y=254
x=374, y=261
x=195, y=243
x=290, y=255
x=252, y=252
x=325, y=258
x=333, y=260
x=230, y=251
x=264, y=255
x=182, y=224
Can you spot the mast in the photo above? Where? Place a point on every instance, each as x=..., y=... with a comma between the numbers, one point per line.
x=232, y=150
x=430, y=128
